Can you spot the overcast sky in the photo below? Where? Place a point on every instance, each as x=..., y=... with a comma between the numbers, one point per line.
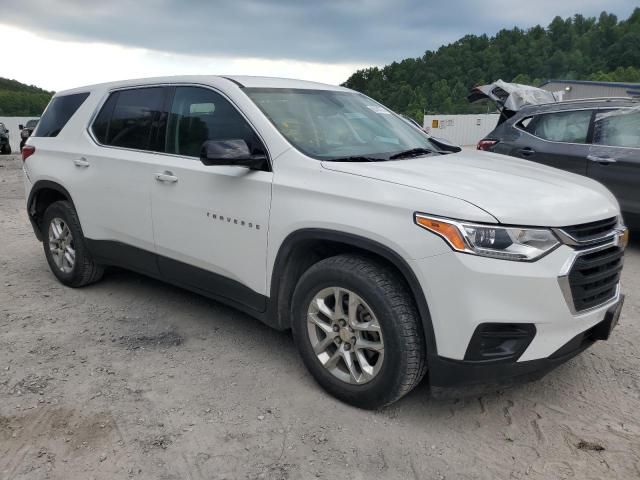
x=58, y=44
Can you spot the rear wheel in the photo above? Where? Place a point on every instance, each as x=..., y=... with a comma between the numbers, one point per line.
x=6, y=149
x=65, y=247
x=358, y=331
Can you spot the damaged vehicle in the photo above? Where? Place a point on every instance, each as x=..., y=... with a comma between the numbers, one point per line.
x=598, y=138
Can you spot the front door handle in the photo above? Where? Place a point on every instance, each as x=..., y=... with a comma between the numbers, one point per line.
x=165, y=177
x=527, y=151
x=81, y=162
x=601, y=160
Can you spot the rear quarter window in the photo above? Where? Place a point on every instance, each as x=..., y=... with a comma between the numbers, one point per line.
x=58, y=113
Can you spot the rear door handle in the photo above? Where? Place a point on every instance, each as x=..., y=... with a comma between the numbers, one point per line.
x=527, y=151
x=165, y=177
x=601, y=160
x=81, y=162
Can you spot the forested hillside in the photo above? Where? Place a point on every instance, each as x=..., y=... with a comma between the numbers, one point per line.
x=18, y=99
x=574, y=48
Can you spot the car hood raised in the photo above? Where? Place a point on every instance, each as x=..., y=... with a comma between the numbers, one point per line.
x=514, y=191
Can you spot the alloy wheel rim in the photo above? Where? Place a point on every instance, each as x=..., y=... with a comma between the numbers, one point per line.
x=61, y=245
x=345, y=335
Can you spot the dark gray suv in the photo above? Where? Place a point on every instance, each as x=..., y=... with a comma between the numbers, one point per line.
x=599, y=138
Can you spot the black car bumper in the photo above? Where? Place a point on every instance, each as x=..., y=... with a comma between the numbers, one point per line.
x=450, y=377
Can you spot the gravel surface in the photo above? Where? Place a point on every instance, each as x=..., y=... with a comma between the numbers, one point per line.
x=132, y=378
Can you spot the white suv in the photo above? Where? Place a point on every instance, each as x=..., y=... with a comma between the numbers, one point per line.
x=315, y=208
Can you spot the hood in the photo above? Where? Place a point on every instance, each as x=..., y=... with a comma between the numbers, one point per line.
x=514, y=191
x=511, y=96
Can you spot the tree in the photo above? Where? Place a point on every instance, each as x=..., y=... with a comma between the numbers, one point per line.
x=578, y=47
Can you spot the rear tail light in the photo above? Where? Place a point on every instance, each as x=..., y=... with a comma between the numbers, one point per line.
x=27, y=151
x=486, y=144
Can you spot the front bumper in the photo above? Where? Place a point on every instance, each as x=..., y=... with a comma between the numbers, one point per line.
x=471, y=297
x=465, y=291
x=445, y=375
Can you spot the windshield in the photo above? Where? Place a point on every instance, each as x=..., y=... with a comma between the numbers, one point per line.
x=31, y=123
x=335, y=125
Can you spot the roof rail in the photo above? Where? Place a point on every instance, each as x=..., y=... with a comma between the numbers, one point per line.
x=586, y=100
x=599, y=99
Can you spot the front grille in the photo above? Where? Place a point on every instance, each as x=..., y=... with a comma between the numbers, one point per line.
x=593, y=231
x=594, y=277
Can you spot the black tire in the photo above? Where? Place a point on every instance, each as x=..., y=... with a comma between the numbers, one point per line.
x=85, y=270
x=404, y=362
x=6, y=149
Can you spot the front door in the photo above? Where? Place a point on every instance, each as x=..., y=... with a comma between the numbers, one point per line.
x=210, y=222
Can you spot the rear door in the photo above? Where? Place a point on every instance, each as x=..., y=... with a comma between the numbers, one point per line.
x=210, y=222
x=115, y=177
x=614, y=158
x=557, y=139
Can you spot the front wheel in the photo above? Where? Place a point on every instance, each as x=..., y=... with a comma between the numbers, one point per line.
x=358, y=331
x=65, y=247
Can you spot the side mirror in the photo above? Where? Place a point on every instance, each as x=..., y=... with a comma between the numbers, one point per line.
x=231, y=152
x=20, y=127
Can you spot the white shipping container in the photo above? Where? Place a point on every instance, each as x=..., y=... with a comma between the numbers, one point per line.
x=14, y=133
x=463, y=130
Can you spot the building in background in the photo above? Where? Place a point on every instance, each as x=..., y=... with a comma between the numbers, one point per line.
x=463, y=130
x=577, y=89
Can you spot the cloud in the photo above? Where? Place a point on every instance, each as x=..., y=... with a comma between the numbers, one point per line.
x=320, y=31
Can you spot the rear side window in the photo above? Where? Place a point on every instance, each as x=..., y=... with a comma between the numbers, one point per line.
x=58, y=113
x=568, y=127
x=127, y=118
x=618, y=129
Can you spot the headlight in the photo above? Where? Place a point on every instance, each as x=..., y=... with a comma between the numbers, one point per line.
x=507, y=243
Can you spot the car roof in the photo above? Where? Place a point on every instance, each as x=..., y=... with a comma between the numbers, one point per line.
x=239, y=80
x=580, y=104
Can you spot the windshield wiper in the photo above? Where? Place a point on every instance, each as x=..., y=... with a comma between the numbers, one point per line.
x=355, y=158
x=413, y=152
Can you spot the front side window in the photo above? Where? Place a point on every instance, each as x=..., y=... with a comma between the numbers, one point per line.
x=199, y=114
x=333, y=125
x=58, y=113
x=568, y=127
x=618, y=129
x=127, y=118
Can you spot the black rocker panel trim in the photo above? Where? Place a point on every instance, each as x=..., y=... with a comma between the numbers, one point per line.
x=361, y=243
x=107, y=252
x=189, y=277
x=197, y=279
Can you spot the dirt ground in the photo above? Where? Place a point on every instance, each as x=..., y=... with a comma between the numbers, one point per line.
x=132, y=378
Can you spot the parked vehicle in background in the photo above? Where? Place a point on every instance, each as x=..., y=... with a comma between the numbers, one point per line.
x=5, y=146
x=315, y=208
x=597, y=138
x=26, y=130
